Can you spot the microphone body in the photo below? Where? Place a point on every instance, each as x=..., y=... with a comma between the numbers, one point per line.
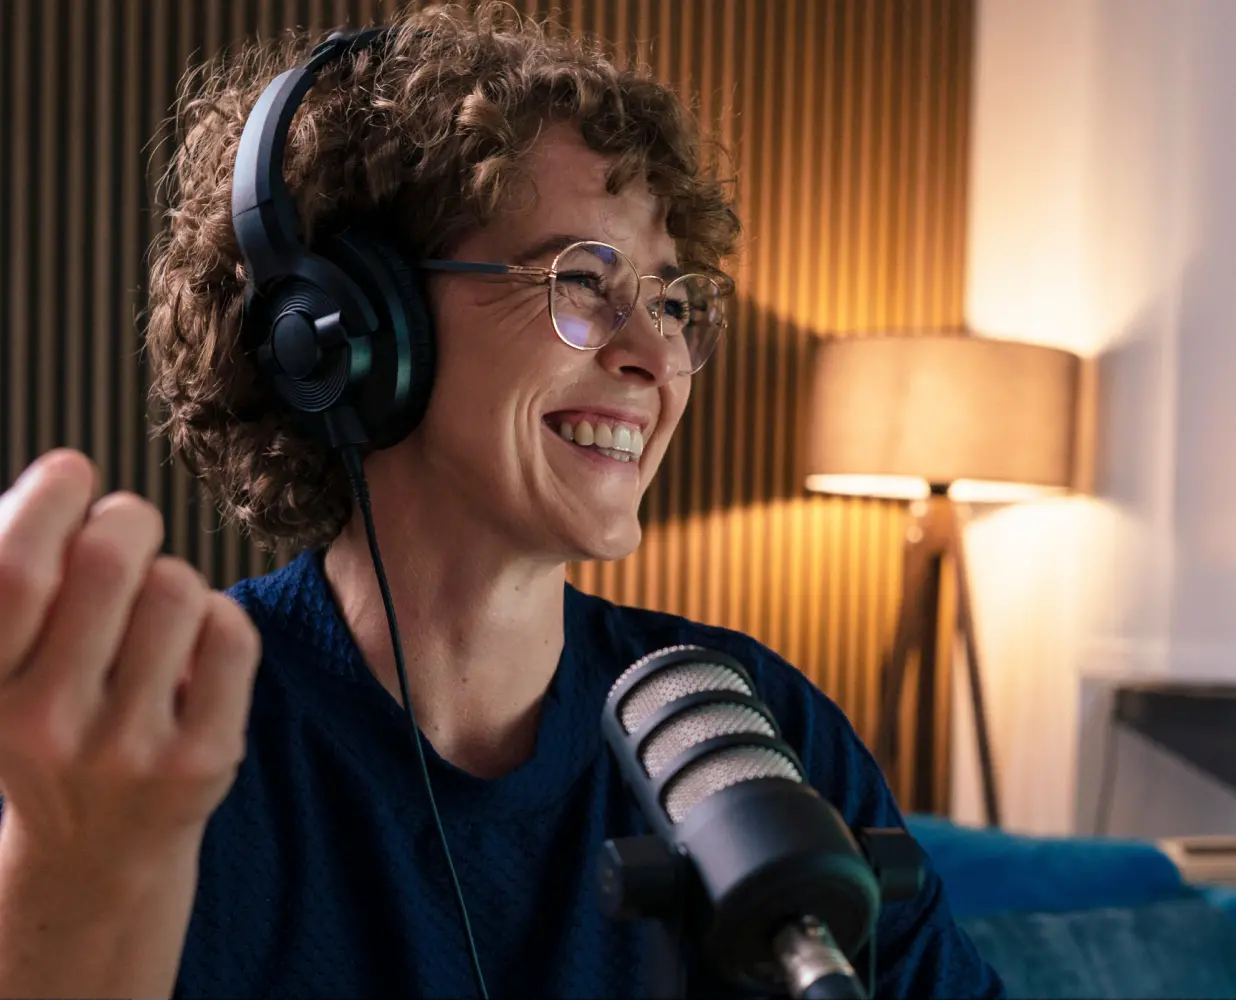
x=765, y=872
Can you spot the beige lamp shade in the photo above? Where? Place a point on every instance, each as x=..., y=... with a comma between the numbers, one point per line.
x=894, y=416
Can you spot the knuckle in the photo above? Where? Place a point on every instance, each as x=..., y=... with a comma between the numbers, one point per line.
x=232, y=636
x=70, y=468
x=25, y=585
x=207, y=761
x=127, y=754
x=42, y=728
x=129, y=516
x=61, y=478
x=101, y=557
x=174, y=582
x=117, y=539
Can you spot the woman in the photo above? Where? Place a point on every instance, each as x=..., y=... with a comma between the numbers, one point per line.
x=176, y=820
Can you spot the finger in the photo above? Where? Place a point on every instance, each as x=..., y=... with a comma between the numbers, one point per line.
x=216, y=698
x=39, y=515
x=158, y=646
x=104, y=570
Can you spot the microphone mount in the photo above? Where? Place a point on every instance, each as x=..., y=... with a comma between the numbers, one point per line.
x=643, y=877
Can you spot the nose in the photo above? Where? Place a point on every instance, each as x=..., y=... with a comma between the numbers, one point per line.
x=638, y=351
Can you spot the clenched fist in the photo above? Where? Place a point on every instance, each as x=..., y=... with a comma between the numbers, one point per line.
x=124, y=680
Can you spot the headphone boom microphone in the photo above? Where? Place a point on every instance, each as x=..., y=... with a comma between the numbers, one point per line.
x=760, y=871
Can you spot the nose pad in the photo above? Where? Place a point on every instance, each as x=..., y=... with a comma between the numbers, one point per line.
x=639, y=348
x=653, y=302
x=624, y=315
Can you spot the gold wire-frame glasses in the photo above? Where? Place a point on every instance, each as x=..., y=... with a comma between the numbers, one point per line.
x=594, y=289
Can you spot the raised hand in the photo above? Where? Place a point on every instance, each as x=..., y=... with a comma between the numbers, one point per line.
x=125, y=684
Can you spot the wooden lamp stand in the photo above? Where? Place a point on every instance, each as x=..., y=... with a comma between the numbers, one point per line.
x=933, y=536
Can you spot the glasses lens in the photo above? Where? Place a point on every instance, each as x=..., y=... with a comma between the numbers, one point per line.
x=694, y=319
x=593, y=292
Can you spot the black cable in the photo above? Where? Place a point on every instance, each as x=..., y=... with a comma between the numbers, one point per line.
x=1107, y=777
x=356, y=473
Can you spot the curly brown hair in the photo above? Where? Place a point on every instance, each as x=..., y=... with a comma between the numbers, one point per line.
x=429, y=133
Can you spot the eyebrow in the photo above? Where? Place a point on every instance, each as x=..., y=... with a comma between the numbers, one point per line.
x=549, y=245
x=558, y=242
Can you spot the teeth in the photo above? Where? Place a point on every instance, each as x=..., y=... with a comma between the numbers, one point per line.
x=615, y=454
x=616, y=441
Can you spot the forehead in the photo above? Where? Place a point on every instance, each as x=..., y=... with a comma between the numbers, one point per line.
x=567, y=194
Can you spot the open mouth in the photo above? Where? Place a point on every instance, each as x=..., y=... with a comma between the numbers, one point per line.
x=605, y=438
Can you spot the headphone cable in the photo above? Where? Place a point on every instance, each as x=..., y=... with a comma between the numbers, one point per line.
x=356, y=473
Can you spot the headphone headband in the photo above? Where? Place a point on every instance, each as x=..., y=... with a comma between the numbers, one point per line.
x=339, y=328
x=263, y=213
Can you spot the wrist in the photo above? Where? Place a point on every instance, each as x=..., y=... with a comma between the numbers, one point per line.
x=96, y=872
x=87, y=921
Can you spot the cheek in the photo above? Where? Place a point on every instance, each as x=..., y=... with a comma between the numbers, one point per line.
x=673, y=405
x=674, y=400
x=508, y=323
x=480, y=329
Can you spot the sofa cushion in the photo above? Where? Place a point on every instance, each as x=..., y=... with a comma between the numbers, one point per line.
x=1222, y=897
x=987, y=871
x=1168, y=949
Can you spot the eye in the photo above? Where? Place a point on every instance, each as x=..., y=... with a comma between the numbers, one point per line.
x=678, y=310
x=588, y=281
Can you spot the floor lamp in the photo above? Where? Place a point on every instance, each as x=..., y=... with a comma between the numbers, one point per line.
x=939, y=419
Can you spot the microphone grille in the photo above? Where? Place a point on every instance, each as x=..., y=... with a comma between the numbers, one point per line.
x=672, y=684
x=694, y=726
x=691, y=670
x=725, y=768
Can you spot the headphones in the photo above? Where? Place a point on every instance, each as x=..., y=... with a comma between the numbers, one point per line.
x=339, y=330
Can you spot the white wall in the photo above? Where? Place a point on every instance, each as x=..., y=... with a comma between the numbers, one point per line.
x=1103, y=219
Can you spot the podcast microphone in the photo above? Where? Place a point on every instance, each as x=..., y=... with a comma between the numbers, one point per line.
x=765, y=876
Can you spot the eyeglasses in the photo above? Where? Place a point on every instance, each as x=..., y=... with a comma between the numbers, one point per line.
x=594, y=290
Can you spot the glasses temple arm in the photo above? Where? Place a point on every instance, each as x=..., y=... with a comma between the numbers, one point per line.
x=483, y=268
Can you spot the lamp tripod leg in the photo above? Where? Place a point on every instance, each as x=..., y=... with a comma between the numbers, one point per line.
x=965, y=623
x=908, y=638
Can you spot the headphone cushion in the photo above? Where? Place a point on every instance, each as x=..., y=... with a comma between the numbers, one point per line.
x=410, y=294
x=396, y=392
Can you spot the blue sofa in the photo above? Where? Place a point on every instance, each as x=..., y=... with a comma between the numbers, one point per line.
x=1084, y=917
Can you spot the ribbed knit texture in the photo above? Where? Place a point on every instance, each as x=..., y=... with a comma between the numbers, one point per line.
x=322, y=875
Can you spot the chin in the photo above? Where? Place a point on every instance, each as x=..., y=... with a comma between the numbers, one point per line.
x=608, y=542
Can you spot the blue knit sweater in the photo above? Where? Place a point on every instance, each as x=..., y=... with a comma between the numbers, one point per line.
x=322, y=875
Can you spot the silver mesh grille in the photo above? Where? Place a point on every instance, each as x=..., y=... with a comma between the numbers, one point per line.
x=672, y=684
x=719, y=771
x=694, y=726
x=650, y=657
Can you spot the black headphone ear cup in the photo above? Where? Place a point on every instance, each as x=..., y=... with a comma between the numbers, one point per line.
x=394, y=389
x=422, y=343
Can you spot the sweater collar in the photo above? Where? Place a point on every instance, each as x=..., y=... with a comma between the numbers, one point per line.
x=303, y=624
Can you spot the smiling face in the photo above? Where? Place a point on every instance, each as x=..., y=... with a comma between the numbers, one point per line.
x=534, y=438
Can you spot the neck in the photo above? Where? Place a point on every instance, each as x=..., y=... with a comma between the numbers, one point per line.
x=482, y=630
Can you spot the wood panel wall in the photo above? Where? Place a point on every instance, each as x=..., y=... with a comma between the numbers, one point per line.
x=848, y=121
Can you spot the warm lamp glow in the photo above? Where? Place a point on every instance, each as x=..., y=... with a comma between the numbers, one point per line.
x=916, y=488
x=889, y=487
x=997, y=492
x=987, y=420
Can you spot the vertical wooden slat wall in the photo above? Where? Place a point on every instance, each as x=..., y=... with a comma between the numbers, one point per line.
x=848, y=123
